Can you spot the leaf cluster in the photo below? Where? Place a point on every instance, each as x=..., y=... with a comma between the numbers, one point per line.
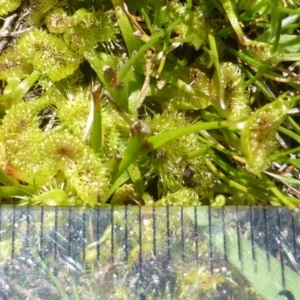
x=155, y=103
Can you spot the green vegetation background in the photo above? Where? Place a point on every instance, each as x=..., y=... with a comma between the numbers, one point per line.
x=149, y=102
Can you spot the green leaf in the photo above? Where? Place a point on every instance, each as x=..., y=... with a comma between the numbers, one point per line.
x=285, y=179
x=162, y=138
x=290, y=43
x=295, y=162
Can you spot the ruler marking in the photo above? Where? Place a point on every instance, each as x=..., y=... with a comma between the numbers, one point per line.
x=70, y=231
x=266, y=237
x=238, y=234
x=154, y=229
x=168, y=232
x=112, y=242
x=182, y=234
x=294, y=238
x=252, y=238
x=196, y=232
x=280, y=248
x=140, y=267
x=252, y=233
x=33, y=217
x=98, y=232
x=140, y=240
x=0, y=223
x=55, y=237
x=224, y=234
x=126, y=237
x=13, y=233
x=42, y=231
x=83, y=234
x=211, y=253
x=27, y=237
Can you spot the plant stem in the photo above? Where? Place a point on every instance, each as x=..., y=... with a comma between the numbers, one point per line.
x=210, y=140
x=124, y=177
x=293, y=124
x=276, y=23
x=11, y=191
x=225, y=178
x=96, y=134
x=132, y=42
x=282, y=156
x=154, y=39
x=164, y=137
x=195, y=153
x=289, y=133
x=139, y=131
x=125, y=69
x=157, y=12
x=235, y=184
x=258, y=75
x=229, y=9
x=260, y=84
x=285, y=10
x=14, y=94
x=242, y=178
x=180, y=84
x=288, y=201
x=136, y=178
x=214, y=55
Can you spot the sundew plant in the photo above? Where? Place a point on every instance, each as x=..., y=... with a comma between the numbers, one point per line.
x=149, y=102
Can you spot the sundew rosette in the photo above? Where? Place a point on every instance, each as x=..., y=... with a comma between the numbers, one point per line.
x=48, y=54
x=258, y=135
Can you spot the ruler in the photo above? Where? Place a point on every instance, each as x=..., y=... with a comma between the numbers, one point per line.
x=136, y=252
